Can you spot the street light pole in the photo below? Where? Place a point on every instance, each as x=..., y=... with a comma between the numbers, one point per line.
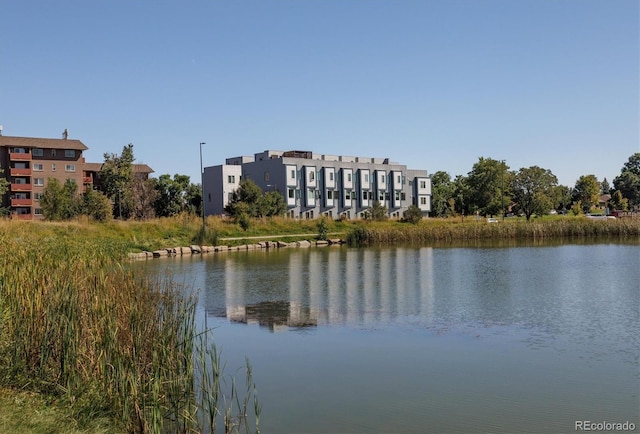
x=502, y=190
x=202, y=192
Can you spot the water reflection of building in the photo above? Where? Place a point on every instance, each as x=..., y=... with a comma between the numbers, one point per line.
x=274, y=315
x=308, y=288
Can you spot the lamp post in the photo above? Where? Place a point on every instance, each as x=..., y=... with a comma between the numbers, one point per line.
x=502, y=189
x=202, y=192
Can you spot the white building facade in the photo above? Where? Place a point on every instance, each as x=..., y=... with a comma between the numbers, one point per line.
x=315, y=185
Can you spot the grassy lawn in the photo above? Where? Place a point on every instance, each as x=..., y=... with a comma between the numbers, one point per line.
x=31, y=413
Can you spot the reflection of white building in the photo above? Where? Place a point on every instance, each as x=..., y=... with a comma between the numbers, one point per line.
x=328, y=286
x=316, y=184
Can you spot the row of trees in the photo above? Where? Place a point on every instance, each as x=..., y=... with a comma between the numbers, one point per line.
x=136, y=197
x=122, y=193
x=490, y=187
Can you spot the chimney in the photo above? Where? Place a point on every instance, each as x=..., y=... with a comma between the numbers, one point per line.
x=65, y=134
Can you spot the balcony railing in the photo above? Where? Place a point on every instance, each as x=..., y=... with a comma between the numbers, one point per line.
x=22, y=216
x=21, y=202
x=20, y=171
x=87, y=179
x=16, y=156
x=20, y=187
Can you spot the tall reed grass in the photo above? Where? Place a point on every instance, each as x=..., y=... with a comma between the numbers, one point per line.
x=438, y=231
x=78, y=325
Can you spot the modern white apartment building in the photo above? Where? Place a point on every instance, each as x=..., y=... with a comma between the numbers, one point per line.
x=315, y=185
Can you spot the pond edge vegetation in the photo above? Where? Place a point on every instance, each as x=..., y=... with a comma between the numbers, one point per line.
x=81, y=327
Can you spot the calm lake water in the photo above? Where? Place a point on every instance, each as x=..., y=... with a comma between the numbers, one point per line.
x=412, y=340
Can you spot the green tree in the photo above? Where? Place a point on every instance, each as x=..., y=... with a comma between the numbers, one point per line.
x=532, y=189
x=271, y=204
x=248, y=194
x=176, y=195
x=97, y=206
x=561, y=197
x=605, y=187
x=60, y=201
x=116, y=179
x=628, y=182
x=618, y=202
x=488, y=184
x=587, y=191
x=377, y=211
x=413, y=214
x=442, y=190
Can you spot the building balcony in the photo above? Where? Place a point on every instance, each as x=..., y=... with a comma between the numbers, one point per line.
x=20, y=187
x=22, y=216
x=16, y=156
x=87, y=179
x=20, y=172
x=21, y=202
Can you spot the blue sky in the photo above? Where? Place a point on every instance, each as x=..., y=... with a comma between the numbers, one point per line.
x=434, y=84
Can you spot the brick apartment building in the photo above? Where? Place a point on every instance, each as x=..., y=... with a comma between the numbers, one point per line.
x=28, y=163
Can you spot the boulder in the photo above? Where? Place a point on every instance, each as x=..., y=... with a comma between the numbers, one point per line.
x=196, y=249
x=160, y=253
x=282, y=244
x=220, y=248
x=322, y=243
x=303, y=243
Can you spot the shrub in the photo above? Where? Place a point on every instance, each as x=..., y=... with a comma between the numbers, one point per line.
x=413, y=214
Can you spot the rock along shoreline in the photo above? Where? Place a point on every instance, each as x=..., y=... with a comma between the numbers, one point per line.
x=199, y=250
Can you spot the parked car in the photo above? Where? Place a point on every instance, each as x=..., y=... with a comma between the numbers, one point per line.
x=492, y=220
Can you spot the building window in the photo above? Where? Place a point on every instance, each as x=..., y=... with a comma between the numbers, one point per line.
x=37, y=196
x=266, y=175
x=291, y=193
x=423, y=184
x=329, y=194
x=381, y=196
x=37, y=152
x=348, y=177
x=330, y=176
x=53, y=152
x=399, y=179
x=347, y=195
x=293, y=174
x=423, y=201
x=72, y=180
x=366, y=177
x=382, y=179
x=403, y=196
x=53, y=167
x=38, y=167
x=312, y=175
x=231, y=179
x=397, y=195
x=70, y=153
x=70, y=168
x=37, y=211
x=38, y=181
